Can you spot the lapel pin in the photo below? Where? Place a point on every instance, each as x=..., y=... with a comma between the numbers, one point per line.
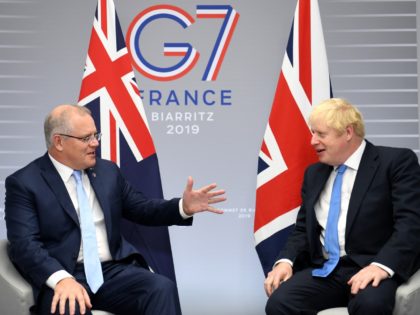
x=92, y=171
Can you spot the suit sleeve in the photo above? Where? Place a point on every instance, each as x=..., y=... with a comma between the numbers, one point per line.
x=401, y=251
x=297, y=242
x=23, y=232
x=153, y=212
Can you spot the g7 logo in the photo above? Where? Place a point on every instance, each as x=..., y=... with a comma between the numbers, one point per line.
x=185, y=50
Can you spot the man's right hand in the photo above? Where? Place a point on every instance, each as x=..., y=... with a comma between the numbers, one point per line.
x=70, y=290
x=280, y=273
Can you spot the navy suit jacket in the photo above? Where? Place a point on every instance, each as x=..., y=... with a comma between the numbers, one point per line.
x=383, y=220
x=42, y=223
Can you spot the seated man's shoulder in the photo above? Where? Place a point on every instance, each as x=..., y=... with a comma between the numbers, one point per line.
x=317, y=167
x=396, y=152
x=105, y=167
x=31, y=169
x=102, y=163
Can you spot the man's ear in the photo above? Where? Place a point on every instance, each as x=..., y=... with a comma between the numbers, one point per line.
x=57, y=142
x=349, y=132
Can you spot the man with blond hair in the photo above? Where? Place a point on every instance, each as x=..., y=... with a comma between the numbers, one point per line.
x=357, y=232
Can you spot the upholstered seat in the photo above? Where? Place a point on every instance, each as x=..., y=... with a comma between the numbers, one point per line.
x=15, y=293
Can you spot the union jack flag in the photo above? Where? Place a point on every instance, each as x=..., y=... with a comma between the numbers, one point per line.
x=110, y=91
x=286, y=151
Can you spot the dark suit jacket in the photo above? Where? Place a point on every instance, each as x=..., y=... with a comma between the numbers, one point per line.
x=42, y=224
x=383, y=220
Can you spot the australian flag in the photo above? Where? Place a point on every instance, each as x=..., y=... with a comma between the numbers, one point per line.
x=286, y=151
x=110, y=91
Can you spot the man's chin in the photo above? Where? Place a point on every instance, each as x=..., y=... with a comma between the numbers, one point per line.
x=321, y=156
x=323, y=159
x=91, y=162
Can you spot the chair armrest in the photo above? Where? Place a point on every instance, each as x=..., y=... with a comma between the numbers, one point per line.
x=407, y=298
x=15, y=293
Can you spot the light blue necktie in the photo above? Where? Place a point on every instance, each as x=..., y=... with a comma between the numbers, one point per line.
x=92, y=264
x=332, y=246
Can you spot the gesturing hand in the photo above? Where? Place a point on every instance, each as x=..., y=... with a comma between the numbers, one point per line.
x=199, y=200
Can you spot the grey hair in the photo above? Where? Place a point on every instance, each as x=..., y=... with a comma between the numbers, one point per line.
x=61, y=123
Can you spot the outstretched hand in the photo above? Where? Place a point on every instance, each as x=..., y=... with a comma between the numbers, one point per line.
x=199, y=200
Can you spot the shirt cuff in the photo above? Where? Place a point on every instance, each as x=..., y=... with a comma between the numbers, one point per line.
x=182, y=212
x=57, y=277
x=388, y=270
x=283, y=260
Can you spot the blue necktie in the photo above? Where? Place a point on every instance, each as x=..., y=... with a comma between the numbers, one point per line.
x=332, y=246
x=92, y=264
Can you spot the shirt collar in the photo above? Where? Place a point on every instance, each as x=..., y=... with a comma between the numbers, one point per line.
x=64, y=171
x=353, y=161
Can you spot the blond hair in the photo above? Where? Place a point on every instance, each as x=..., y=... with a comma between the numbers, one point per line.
x=338, y=114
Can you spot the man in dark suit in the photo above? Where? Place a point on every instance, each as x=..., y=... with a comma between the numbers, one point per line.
x=374, y=244
x=48, y=232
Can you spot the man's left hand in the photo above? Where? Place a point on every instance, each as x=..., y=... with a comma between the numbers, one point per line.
x=199, y=200
x=370, y=274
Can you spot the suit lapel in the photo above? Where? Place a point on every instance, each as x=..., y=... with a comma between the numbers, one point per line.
x=365, y=174
x=321, y=176
x=54, y=181
x=97, y=184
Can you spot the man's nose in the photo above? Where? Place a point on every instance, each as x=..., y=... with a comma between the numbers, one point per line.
x=94, y=143
x=314, y=139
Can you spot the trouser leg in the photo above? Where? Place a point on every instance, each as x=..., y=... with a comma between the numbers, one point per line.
x=131, y=289
x=378, y=300
x=304, y=294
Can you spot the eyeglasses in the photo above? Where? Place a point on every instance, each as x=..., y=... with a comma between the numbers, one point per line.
x=88, y=139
